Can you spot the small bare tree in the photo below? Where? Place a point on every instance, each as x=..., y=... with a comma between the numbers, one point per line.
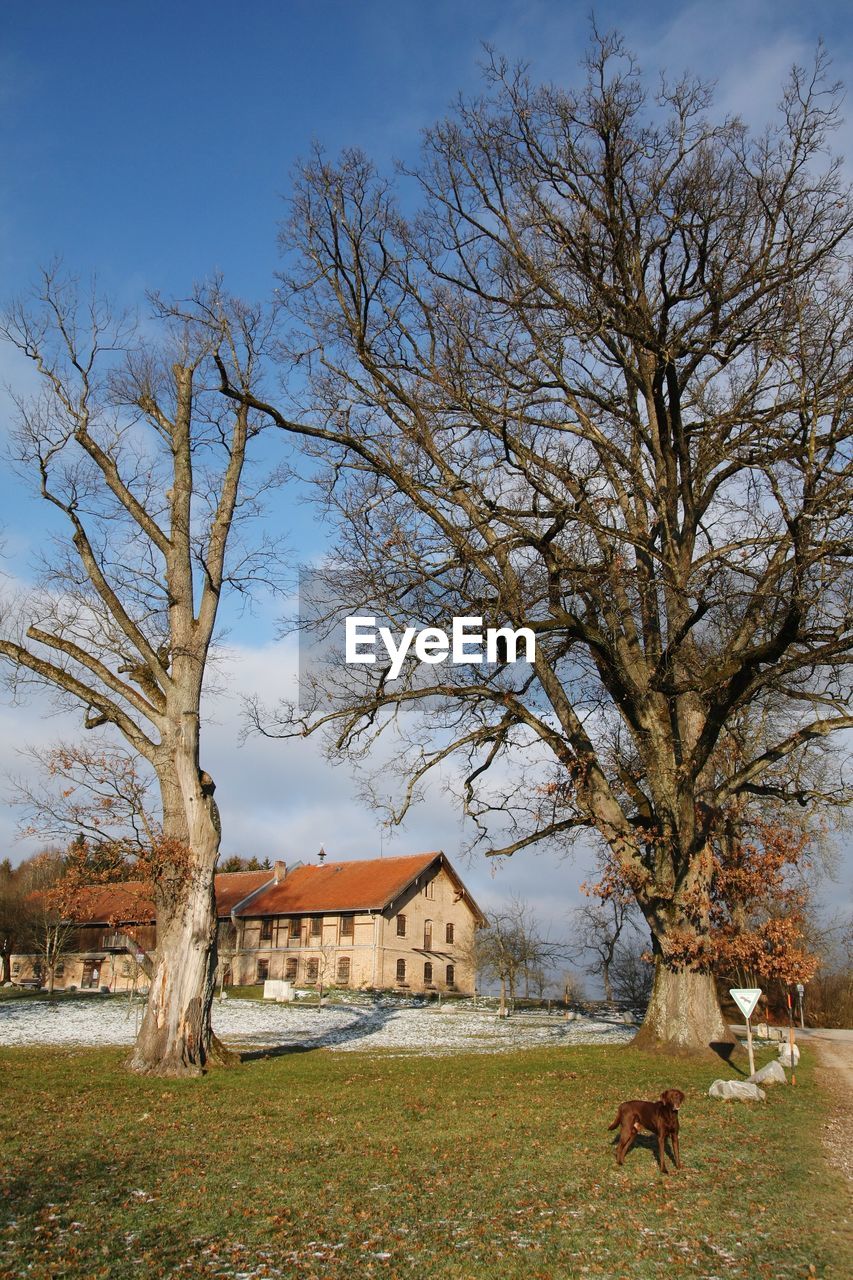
x=134, y=449
x=48, y=909
x=632, y=974
x=511, y=950
x=12, y=917
x=598, y=929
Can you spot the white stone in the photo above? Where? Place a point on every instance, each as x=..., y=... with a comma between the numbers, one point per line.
x=740, y=1090
x=772, y=1073
x=785, y=1055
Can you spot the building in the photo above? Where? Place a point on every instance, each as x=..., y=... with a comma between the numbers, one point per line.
x=114, y=927
x=406, y=923
x=387, y=922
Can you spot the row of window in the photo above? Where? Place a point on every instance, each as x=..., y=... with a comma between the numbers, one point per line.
x=290, y=931
x=293, y=928
x=312, y=970
x=449, y=973
x=342, y=971
x=401, y=931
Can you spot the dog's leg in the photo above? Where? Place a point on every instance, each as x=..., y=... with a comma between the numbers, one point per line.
x=662, y=1151
x=626, y=1141
x=676, y=1150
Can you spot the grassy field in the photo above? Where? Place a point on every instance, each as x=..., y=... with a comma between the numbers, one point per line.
x=321, y=1165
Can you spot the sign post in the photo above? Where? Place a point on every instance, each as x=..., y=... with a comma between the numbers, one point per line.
x=800, y=993
x=746, y=998
x=791, y=1038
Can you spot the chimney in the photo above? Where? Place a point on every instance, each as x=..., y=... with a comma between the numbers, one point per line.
x=279, y=871
x=321, y=856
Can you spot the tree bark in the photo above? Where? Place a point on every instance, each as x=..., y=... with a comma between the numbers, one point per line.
x=176, y=1036
x=608, y=985
x=684, y=1014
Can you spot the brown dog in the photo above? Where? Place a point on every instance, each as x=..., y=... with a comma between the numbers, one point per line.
x=660, y=1118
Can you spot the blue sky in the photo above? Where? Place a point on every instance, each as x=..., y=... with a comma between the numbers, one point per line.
x=153, y=143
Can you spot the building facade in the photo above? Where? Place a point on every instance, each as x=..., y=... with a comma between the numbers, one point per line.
x=374, y=924
x=405, y=923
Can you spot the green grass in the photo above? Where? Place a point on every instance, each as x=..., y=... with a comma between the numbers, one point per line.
x=30, y=993
x=354, y=1165
x=21, y=993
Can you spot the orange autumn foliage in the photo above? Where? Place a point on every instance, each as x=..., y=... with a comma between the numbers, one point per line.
x=756, y=926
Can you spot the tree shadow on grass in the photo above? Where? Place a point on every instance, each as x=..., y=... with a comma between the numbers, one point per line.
x=726, y=1050
x=362, y=1027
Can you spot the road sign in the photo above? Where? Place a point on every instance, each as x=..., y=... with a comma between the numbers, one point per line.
x=746, y=998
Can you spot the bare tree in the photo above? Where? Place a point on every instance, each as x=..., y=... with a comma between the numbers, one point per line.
x=631, y=973
x=511, y=949
x=325, y=955
x=143, y=461
x=12, y=918
x=598, y=386
x=50, y=930
x=599, y=927
x=95, y=791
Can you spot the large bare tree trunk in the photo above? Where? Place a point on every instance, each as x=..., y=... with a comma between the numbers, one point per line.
x=684, y=1013
x=176, y=1037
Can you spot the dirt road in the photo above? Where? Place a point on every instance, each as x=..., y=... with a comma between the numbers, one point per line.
x=835, y=1075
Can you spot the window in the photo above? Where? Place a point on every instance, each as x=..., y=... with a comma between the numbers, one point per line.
x=401, y=971
x=427, y=974
x=429, y=889
x=295, y=931
x=343, y=969
x=427, y=935
x=313, y=969
x=451, y=976
x=316, y=926
x=266, y=929
x=291, y=969
x=448, y=933
x=60, y=971
x=263, y=970
x=347, y=926
x=401, y=925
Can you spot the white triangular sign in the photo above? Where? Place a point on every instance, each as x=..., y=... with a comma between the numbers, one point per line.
x=746, y=998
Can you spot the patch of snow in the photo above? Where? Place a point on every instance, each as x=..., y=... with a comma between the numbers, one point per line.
x=251, y=1024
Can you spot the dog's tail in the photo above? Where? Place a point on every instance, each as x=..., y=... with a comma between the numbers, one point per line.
x=615, y=1124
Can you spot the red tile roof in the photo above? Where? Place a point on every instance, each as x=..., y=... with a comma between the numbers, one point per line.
x=131, y=902
x=233, y=886
x=128, y=902
x=366, y=885
x=340, y=886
